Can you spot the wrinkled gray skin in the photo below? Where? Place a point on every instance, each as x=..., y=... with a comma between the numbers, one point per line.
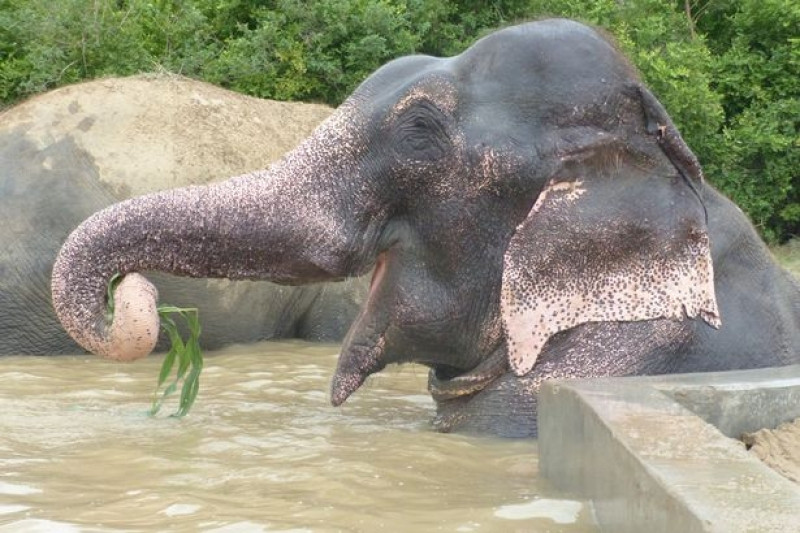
x=41, y=203
x=427, y=171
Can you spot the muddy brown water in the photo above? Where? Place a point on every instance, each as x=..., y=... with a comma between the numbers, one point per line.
x=262, y=450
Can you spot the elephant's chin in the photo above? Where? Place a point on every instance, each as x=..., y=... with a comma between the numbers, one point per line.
x=363, y=348
x=356, y=364
x=344, y=384
x=134, y=330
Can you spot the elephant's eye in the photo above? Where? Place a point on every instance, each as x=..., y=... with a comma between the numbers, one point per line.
x=421, y=135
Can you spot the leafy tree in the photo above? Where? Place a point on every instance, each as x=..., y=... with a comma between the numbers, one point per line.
x=757, y=73
x=51, y=43
x=291, y=49
x=313, y=51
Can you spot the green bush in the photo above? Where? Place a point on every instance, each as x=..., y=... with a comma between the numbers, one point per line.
x=46, y=44
x=726, y=71
x=319, y=51
x=757, y=73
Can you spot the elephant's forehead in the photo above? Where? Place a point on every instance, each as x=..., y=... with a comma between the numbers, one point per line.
x=400, y=81
x=560, y=60
x=543, y=69
x=546, y=46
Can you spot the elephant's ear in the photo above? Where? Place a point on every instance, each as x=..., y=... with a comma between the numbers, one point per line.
x=605, y=242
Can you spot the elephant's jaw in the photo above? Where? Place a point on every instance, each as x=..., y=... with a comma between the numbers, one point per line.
x=364, y=347
x=361, y=362
x=365, y=351
x=472, y=381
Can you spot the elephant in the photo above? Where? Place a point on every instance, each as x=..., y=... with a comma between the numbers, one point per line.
x=528, y=210
x=67, y=154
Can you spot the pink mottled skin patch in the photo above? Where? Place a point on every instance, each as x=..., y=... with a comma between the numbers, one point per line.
x=134, y=330
x=598, y=276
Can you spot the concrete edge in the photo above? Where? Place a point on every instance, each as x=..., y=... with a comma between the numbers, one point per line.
x=648, y=452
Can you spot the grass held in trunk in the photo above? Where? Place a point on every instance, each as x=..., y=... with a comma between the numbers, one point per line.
x=185, y=356
x=188, y=356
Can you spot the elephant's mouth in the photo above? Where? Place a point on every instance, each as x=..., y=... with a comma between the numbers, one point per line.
x=365, y=352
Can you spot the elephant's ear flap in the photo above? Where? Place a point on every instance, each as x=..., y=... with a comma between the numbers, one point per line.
x=619, y=246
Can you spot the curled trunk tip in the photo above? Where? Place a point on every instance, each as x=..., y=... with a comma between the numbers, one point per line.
x=130, y=334
x=134, y=328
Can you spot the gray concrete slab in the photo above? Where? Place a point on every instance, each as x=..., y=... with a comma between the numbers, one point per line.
x=661, y=454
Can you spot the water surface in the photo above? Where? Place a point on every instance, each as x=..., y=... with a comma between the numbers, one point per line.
x=262, y=450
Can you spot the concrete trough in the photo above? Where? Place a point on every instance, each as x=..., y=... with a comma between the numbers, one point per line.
x=662, y=453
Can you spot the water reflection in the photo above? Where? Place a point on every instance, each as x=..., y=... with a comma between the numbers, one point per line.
x=262, y=450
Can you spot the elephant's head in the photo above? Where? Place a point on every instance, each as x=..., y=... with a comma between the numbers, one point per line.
x=524, y=187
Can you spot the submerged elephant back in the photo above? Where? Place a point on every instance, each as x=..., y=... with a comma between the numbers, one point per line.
x=71, y=152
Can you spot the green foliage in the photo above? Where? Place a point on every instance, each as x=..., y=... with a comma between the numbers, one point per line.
x=757, y=72
x=45, y=43
x=446, y=28
x=188, y=355
x=727, y=71
x=320, y=51
x=312, y=51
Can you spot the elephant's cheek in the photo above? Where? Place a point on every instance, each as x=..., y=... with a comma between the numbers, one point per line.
x=134, y=330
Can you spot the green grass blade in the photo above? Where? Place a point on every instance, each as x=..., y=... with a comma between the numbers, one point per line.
x=165, y=310
x=188, y=357
x=177, y=347
x=191, y=386
x=110, y=288
x=166, y=367
x=183, y=364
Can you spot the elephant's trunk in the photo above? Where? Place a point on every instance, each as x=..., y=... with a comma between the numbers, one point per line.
x=294, y=224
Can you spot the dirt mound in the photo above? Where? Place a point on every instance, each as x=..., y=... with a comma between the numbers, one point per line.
x=779, y=448
x=188, y=131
